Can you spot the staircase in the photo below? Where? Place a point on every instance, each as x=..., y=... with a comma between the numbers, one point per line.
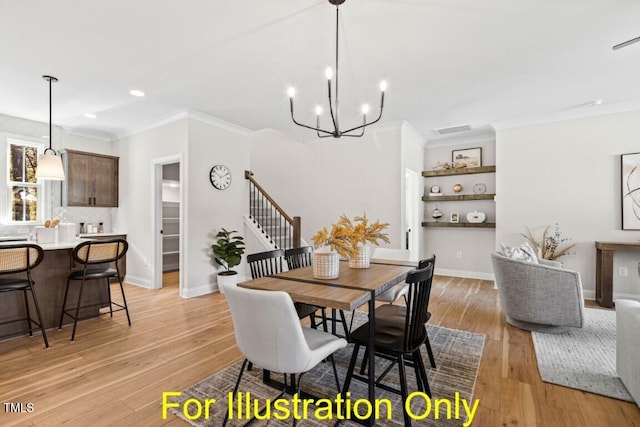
x=282, y=230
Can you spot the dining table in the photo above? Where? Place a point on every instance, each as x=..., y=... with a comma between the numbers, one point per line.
x=353, y=288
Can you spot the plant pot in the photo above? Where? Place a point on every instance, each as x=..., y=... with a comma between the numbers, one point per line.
x=226, y=280
x=326, y=265
x=363, y=259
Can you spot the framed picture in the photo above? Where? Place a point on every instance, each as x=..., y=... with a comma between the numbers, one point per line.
x=630, y=174
x=471, y=157
x=454, y=217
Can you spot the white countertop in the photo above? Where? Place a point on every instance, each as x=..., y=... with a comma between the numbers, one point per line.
x=102, y=234
x=52, y=246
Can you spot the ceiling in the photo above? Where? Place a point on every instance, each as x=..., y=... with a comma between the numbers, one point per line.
x=447, y=62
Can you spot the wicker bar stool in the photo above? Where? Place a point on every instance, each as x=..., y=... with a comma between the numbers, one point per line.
x=90, y=254
x=17, y=259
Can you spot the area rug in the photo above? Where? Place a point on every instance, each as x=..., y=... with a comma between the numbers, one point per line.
x=583, y=358
x=457, y=353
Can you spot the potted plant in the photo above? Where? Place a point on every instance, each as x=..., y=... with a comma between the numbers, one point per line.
x=362, y=236
x=227, y=252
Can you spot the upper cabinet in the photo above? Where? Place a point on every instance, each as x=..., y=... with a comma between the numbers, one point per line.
x=92, y=179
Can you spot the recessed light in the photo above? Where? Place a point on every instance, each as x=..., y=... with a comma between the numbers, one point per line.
x=136, y=92
x=90, y=116
x=45, y=136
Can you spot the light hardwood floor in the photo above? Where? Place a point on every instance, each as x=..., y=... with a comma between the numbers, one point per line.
x=114, y=374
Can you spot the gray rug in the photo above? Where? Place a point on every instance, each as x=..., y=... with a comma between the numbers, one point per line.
x=584, y=359
x=457, y=353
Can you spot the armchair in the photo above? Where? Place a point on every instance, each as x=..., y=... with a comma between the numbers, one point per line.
x=540, y=297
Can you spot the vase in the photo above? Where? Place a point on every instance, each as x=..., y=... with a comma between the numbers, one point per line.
x=326, y=265
x=226, y=280
x=363, y=259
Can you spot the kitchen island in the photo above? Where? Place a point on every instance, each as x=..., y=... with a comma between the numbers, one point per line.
x=50, y=278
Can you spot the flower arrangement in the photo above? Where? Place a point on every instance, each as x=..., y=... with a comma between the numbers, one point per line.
x=550, y=245
x=346, y=235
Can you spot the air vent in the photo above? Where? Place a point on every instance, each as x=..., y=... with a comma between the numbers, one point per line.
x=452, y=129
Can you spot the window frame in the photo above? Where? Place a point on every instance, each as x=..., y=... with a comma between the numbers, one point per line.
x=39, y=185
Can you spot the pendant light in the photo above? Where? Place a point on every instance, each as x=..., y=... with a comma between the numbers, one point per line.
x=49, y=163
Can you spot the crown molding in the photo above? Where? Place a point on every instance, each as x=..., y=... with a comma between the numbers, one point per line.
x=413, y=133
x=85, y=133
x=575, y=113
x=214, y=121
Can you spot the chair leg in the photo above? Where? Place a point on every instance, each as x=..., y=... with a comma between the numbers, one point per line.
x=235, y=390
x=423, y=371
x=35, y=304
x=312, y=318
x=347, y=330
x=403, y=389
x=64, y=303
x=365, y=361
x=335, y=372
x=324, y=320
x=124, y=300
x=432, y=359
x=26, y=307
x=416, y=367
x=352, y=365
x=109, y=296
x=75, y=318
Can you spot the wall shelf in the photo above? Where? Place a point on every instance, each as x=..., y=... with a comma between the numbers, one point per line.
x=459, y=224
x=458, y=198
x=460, y=171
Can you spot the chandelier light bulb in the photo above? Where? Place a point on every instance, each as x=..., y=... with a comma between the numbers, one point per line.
x=365, y=109
x=329, y=73
x=291, y=92
x=383, y=85
x=318, y=110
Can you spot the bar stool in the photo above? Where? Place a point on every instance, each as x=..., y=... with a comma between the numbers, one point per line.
x=17, y=259
x=89, y=254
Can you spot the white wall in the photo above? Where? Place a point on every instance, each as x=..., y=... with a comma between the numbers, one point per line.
x=474, y=244
x=135, y=213
x=568, y=173
x=208, y=209
x=322, y=180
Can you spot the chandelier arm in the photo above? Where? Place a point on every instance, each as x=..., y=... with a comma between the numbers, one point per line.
x=303, y=125
x=365, y=124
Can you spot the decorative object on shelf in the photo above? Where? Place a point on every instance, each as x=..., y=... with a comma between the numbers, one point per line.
x=435, y=189
x=549, y=246
x=436, y=214
x=470, y=157
x=479, y=188
x=630, y=170
x=455, y=218
x=49, y=163
x=227, y=252
x=457, y=188
x=333, y=104
x=350, y=239
x=476, y=217
x=447, y=165
x=220, y=177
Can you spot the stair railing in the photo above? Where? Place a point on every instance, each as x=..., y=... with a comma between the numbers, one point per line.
x=282, y=228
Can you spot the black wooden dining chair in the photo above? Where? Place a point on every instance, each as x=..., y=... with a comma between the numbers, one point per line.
x=22, y=258
x=395, y=339
x=95, y=258
x=399, y=311
x=273, y=262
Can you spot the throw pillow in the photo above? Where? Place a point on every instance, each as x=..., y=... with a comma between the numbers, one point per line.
x=523, y=252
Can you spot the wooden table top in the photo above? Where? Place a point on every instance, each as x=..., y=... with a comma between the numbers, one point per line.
x=311, y=293
x=350, y=290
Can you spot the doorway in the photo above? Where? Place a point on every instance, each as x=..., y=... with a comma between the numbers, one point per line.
x=413, y=226
x=168, y=220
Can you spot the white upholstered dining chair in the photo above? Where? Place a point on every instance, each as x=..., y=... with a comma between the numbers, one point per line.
x=270, y=336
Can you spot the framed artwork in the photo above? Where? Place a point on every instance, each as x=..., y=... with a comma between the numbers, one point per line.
x=630, y=180
x=454, y=217
x=471, y=157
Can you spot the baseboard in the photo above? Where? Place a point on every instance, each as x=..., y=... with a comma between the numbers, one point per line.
x=206, y=289
x=138, y=281
x=465, y=274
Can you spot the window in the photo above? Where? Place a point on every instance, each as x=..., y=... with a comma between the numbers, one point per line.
x=25, y=193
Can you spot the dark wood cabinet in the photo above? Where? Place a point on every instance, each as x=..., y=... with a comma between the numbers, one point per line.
x=92, y=179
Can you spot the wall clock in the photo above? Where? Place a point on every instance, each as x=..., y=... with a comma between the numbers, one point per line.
x=220, y=177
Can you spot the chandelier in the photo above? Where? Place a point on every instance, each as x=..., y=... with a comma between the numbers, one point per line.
x=333, y=99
